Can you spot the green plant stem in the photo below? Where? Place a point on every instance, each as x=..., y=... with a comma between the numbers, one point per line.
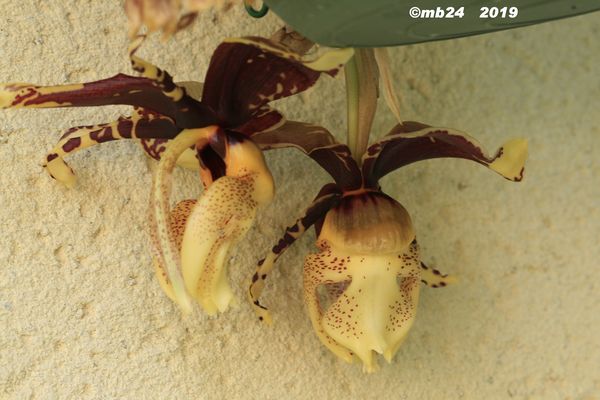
x=362, y=79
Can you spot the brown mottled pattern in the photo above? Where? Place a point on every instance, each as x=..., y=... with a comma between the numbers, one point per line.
x=324, y=201
x=316, y=273
x=125, y=127
x=22, y=97
x=433, y=278
x=102, y=135
x=163, y=79
x=338, y=162
x=71, y=144
x=345, y=308
x=69, y=131
x=242, y=78
x=327, y=198
x=143, y=124
x=227, y=211
x=129, y=90
x=154, y=147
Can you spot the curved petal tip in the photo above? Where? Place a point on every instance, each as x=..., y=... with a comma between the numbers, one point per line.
x=510, y=161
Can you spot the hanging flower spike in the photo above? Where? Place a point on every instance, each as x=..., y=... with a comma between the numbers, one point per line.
x=243, y=77
x=361, y=288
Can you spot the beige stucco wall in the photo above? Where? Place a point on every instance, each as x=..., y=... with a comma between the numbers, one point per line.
x=82, y=317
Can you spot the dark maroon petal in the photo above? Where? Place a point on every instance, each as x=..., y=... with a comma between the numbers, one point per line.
x=120, y=89
x=414, y=141
x=264, y=119
x=247, y=73
x=320, y=145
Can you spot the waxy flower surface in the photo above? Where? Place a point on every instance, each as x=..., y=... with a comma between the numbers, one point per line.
x=213, y=134
x=362, y=286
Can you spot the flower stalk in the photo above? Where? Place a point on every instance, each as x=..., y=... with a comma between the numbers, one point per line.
x=362, y=79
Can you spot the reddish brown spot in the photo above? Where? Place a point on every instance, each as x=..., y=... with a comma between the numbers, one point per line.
x=19, y=99
x=154, y=147
x=102, y=135
x=520, y=177
x=124, y=127
x=71, y=144
x=69, y=131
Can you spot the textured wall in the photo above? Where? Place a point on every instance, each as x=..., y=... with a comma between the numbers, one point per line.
x=82, y=317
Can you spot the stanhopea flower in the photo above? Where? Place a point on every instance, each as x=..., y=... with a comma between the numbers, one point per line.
x=362, y=286
x=213, y=134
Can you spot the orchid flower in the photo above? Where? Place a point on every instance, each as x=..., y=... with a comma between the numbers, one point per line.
x=213, y=134
x=362, y=286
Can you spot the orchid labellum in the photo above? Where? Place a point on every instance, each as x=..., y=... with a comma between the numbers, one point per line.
x=362, y=286
x=213, y=134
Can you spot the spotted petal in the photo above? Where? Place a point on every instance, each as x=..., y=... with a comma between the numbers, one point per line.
x=374, y=307
x=327, y=198
x=247, y=73
x=414, y=141
x=362, y=287
x=120, y=89
x=220, y=218
x=195, y=263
